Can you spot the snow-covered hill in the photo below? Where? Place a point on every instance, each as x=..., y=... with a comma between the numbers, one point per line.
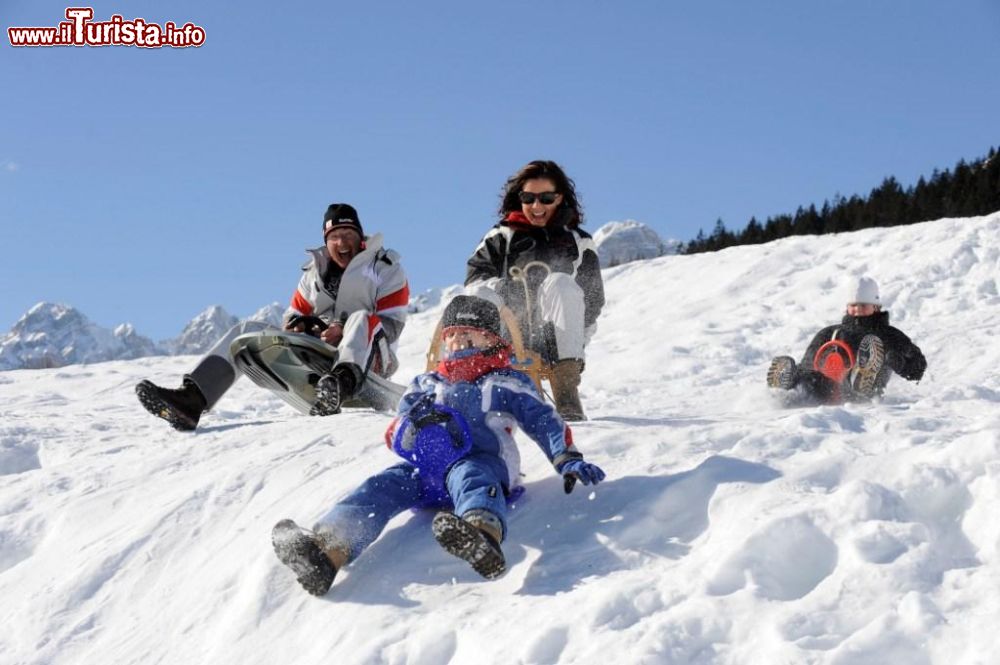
x=729, y=530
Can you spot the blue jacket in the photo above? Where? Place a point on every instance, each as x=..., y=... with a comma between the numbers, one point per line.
x=492, y=405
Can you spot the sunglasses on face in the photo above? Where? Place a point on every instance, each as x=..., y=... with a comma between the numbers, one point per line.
x=546, y=198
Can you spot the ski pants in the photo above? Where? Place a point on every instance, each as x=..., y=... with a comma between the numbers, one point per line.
x=474, y=483
x=364, y=345
x=561, y=303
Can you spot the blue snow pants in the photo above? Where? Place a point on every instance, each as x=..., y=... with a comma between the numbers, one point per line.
x=475, y=482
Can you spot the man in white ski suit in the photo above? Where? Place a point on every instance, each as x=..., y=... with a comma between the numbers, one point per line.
x=352, y=283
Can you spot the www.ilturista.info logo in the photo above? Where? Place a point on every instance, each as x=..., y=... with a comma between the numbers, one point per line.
x=80, y=30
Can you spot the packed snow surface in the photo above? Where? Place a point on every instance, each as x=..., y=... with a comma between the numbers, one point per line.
x=729, y=530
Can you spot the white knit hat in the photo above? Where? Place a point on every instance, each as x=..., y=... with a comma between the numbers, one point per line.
x=863, y=290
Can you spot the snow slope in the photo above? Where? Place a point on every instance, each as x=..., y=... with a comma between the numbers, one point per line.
x=729, y=530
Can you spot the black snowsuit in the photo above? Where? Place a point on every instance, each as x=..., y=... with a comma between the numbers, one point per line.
x=902, y=356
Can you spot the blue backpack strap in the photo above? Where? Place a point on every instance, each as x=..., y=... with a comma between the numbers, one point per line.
x=432, y=450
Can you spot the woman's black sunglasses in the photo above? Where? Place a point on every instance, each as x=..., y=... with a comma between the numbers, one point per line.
x=547, y=198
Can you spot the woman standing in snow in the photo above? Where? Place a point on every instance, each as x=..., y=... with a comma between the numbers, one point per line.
x=538, y=262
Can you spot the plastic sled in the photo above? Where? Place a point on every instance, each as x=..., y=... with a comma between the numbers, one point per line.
x=290, y=364
x=834, y=360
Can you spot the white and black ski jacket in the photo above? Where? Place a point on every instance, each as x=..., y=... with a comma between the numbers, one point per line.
x=374, y=281
x=516, y=242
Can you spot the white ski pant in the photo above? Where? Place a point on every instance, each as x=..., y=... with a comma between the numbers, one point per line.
x=560, y=302
x=363, y=345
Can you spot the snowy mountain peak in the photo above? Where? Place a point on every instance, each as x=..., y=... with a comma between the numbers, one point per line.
x=54, y=335
x=271, y=314
x=623, y=242
x=44, y=315
x=202, y=331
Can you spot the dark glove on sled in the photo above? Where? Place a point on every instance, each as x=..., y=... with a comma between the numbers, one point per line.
x=577, y=469
x=424, y=412
x=914, y=364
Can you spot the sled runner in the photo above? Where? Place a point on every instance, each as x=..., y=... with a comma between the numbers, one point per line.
x=289, y=364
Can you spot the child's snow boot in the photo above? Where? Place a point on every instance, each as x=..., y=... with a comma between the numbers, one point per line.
x=314, y=557
x=181, y=407
x=474, y=537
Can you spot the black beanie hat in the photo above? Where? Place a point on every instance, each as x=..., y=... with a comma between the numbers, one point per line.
x=471, y=312
x=339, y=215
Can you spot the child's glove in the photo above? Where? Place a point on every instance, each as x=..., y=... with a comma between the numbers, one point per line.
x=422, y=409
x=425, y=412
x=577, y=469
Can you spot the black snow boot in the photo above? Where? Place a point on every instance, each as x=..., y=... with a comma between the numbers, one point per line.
x=475, y=538
x=301, y=551
x=181, y=407
x=333, y=389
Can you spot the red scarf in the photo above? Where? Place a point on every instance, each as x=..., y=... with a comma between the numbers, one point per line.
x=472, y=367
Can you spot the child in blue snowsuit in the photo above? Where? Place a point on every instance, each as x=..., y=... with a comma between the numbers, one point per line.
x=454, y=430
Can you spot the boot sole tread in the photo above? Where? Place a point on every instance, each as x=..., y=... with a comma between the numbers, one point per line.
x=160, y=408
x=303, y=556
x=866, y=380
x=465, y=541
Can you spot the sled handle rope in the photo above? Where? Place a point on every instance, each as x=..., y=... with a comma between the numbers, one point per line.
x=519, y=274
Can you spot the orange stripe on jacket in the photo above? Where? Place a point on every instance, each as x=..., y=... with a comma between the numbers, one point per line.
x=398, y=298
x=300, y=304
x=374, y=324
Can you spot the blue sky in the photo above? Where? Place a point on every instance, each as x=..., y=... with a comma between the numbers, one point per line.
x=144, y=185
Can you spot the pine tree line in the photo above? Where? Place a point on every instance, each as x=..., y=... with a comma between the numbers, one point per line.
x=966, y=191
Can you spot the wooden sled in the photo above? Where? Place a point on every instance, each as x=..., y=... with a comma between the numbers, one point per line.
x=524, y=359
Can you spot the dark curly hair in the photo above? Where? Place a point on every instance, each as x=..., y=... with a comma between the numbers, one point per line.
x=570, y=211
